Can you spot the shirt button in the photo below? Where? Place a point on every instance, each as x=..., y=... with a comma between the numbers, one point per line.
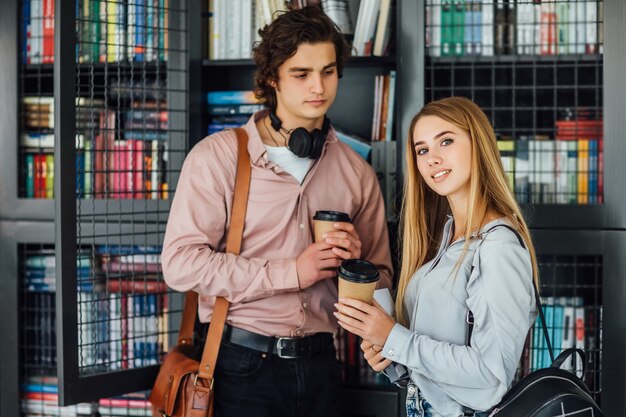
x=276, y=169
x=301, y=225
x=298, y=332
x=411, y=390
x=304, y=305
x=391, y=352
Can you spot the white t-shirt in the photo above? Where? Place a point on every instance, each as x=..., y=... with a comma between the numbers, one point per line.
x=288, y=161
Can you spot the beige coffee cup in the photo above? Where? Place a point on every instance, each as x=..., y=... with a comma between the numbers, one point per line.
x=357, y=279
x=323, y=222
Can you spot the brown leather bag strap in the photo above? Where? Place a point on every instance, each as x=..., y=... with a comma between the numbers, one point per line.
x=233, y=245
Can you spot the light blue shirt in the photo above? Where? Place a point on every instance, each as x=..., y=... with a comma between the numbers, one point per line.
x=495, y=283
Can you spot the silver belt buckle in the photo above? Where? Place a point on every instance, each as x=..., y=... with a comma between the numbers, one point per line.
x=280, y=347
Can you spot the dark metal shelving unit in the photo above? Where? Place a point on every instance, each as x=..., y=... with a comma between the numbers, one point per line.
x=587, y=238
x=70, y=224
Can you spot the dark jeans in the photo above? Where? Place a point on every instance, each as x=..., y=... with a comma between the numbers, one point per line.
x=252, y=383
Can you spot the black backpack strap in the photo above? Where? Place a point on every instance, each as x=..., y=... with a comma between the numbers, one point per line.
x=469, y=316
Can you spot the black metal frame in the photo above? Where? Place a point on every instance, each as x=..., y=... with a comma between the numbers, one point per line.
x=74, y=387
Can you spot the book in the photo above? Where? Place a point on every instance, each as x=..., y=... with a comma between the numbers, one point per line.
x=359, y=145
x=231, y=97
x=136, y=285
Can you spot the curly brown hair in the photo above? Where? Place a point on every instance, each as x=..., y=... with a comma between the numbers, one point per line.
x=280, y=40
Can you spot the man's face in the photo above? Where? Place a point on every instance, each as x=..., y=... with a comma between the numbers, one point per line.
x=307, y=85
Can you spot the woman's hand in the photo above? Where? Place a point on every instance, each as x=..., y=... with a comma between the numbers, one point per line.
x=374, y=358
x=370, y=322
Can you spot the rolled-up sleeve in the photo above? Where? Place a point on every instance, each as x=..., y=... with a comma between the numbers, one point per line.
x=501, y=298
x=192, y=256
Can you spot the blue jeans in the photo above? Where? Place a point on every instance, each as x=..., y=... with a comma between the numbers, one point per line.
x=417, y=406
x=251, y=383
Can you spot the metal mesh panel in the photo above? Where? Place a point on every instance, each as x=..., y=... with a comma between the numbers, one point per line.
x=100, y=339
x=536, y=70
x=571, y=291
x=131, y=128
x=130, y=139
x=123, y=308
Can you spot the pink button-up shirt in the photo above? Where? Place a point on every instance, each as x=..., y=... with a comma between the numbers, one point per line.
x=262, y=283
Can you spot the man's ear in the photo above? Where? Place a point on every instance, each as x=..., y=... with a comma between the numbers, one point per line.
x=273, y=84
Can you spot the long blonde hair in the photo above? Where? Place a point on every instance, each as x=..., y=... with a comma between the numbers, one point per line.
x=424, y=211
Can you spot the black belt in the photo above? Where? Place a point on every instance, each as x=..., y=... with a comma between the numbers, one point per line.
x=283, y=347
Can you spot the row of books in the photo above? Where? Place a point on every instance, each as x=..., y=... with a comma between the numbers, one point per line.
x=107, y=31
x=508, y=27
x=122, y=330
x=39, y=397
x=544, y=171
x=233, y=26
x=570, y=324
x=143, y=118
x=373, y=29
x=120, y=153
x=123, y=314
x=120, y=169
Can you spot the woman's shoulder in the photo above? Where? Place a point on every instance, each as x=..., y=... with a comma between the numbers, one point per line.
x=500, y=231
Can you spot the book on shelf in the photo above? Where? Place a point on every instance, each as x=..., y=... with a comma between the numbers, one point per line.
x=373, y=32
x=222, y=97
x=360, y=145
x=384, y=105
x=230, y=109
x=339, y=12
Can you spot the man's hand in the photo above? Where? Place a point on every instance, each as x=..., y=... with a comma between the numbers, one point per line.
x=316, y=263
x=345, y=241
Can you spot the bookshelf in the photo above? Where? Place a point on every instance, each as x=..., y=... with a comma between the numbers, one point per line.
x=112, y=76
x=581, y=246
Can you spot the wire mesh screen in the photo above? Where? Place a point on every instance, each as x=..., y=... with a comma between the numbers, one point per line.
x=111, y=336
x=536, y=70
x=130, y=139
x=124, y=308
x=571, y=295
x=131, y=132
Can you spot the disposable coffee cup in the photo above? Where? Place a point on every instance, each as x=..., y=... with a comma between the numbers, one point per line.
x=357, y=279
x=323, y=222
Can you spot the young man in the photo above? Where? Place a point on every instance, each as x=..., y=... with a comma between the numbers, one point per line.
x=281, y=286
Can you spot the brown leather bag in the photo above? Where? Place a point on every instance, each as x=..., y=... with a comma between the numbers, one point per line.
x=184, y=385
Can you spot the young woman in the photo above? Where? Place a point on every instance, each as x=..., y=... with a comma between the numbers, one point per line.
x=466, y=248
